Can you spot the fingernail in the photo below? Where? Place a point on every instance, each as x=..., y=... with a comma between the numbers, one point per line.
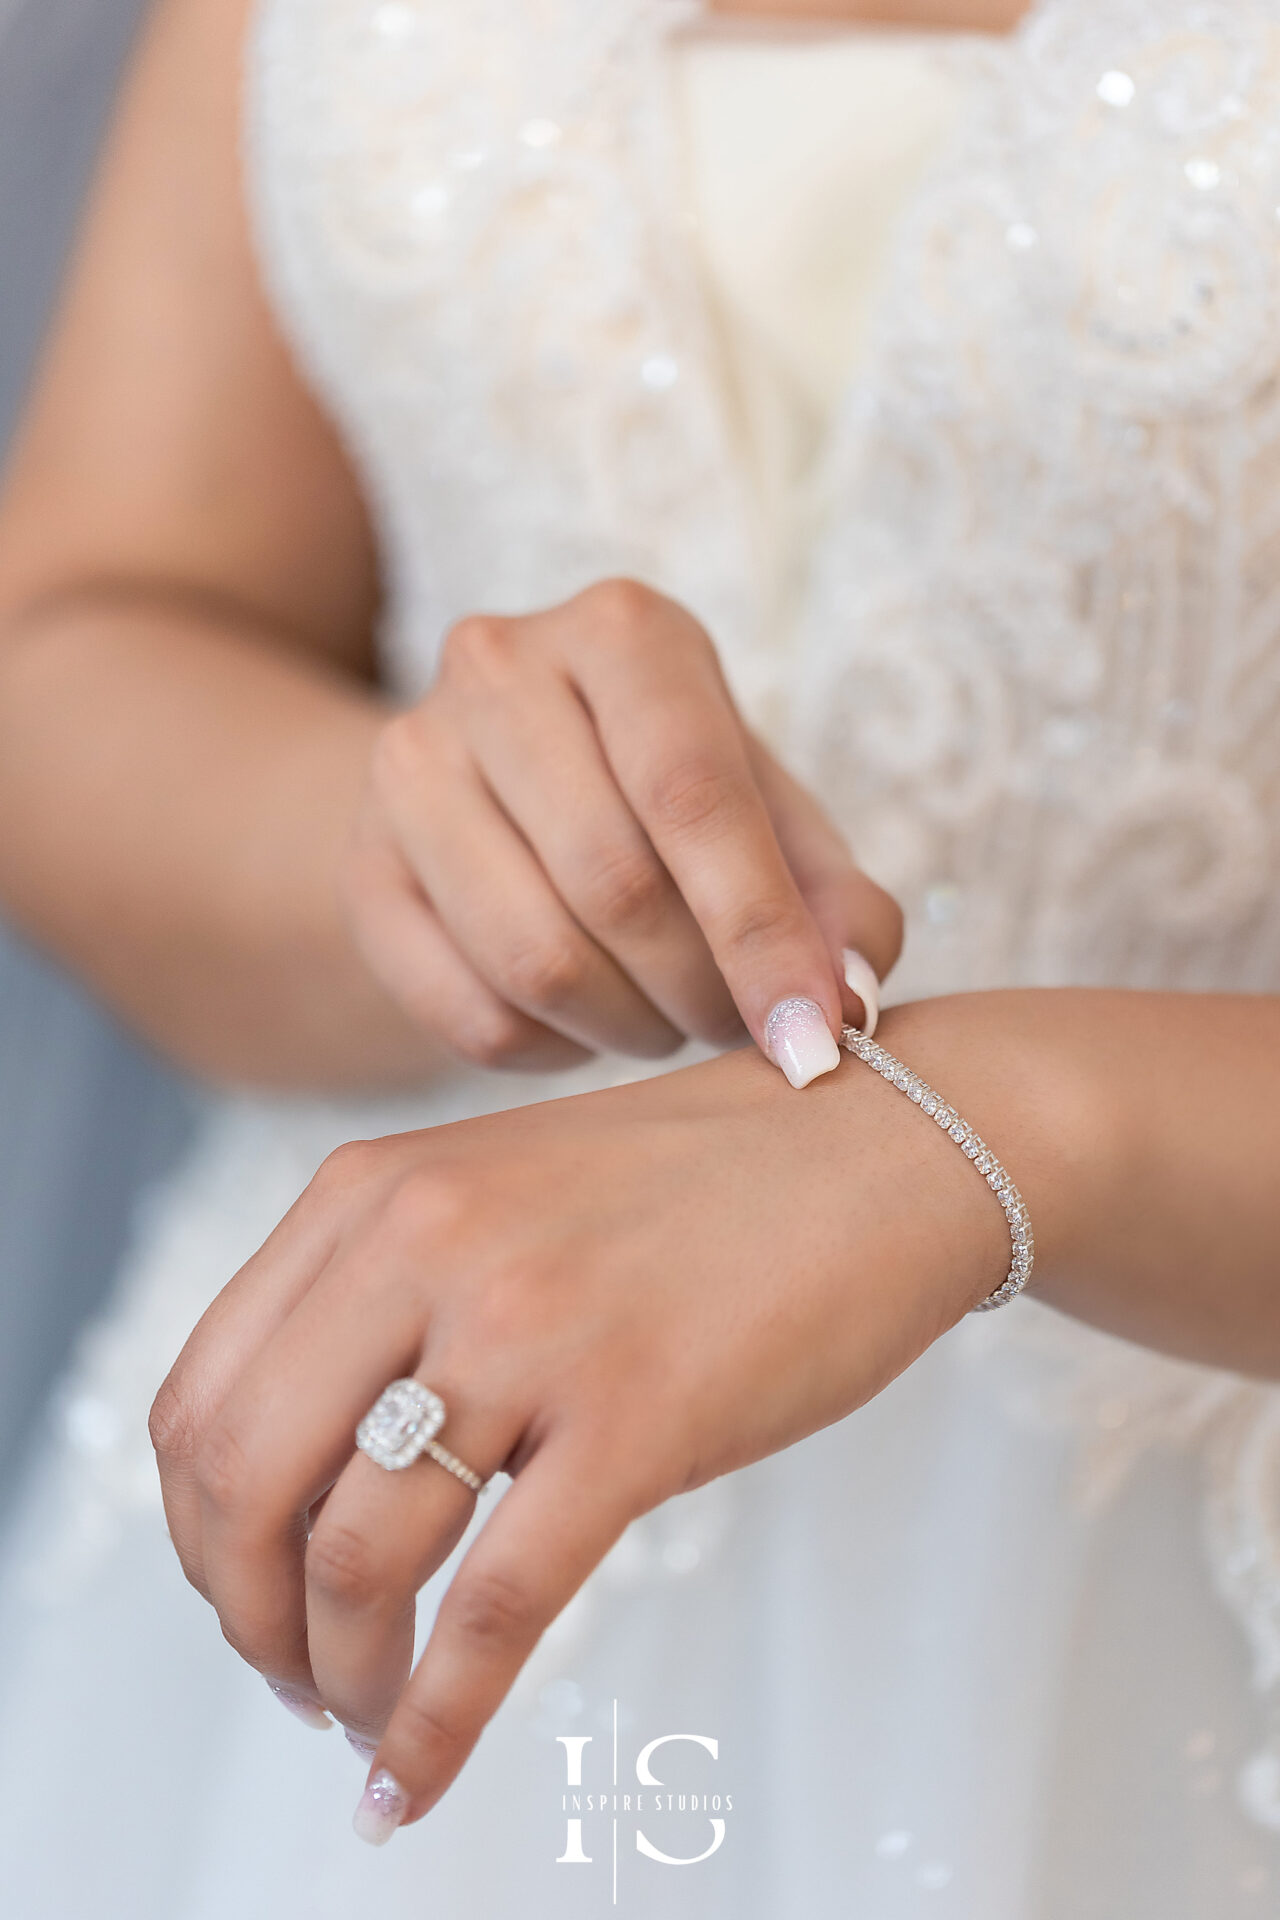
x=365, y=1748
x=304, y=1710
x=860, y=978
x=382, y=1807
x=800, y=1041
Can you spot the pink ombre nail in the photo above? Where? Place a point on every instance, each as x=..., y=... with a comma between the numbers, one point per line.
x=800, y=1041
x=383, y=1805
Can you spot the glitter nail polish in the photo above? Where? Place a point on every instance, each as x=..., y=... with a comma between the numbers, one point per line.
x=800, y=1041
x=382, y=1807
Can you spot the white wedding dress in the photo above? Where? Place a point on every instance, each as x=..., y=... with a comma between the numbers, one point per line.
x=941, y=377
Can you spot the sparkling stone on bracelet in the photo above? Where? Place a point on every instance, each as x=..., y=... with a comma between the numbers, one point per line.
x=972, y=1146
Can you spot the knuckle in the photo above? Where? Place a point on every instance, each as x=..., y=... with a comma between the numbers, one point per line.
x=222, y=1467
x=627, y=890
x=273, y=1647
x=345, y=1171
x=766, y=922
x=494, y=1606
x=342, y=1568
x=478, y=646
x=426, y=1731
x=621, y=603
x=693, y=793
x=173, y=1423
x=490, y=1036
x=427, y=1207
x=545, y=974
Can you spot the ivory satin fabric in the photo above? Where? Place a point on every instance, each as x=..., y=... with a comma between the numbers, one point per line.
x=800, y=148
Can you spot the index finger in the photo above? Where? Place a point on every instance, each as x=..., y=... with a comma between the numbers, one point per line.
x=552, y=1526
x=677, y=749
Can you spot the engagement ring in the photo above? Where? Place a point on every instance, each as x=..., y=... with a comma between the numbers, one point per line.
x=402, y=1424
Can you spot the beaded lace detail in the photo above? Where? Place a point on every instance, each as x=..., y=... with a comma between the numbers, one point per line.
x=1041, y=674
x=1036, y=672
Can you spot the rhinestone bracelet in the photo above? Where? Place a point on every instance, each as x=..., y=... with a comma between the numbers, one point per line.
x=972, y=1146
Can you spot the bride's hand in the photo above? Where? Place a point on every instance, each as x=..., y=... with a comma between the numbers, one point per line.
x=572, y=842
x=618, y=1296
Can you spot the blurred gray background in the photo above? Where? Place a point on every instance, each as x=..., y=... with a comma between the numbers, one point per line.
x=85, y=1115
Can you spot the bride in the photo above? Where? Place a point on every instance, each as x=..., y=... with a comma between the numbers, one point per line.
x=512, y=487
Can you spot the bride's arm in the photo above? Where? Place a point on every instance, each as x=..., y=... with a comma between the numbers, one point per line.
x=187, y=589
x=1169, y=1105
x=624, y=1294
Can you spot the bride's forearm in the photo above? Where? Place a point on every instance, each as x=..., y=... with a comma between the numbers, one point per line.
x=1144, y=1132
x=174, y=793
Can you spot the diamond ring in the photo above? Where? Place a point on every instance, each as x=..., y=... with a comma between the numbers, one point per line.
x=402, y=1424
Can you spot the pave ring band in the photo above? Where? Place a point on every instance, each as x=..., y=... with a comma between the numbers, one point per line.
x=402, y=1424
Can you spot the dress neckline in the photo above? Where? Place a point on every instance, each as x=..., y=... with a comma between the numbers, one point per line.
x=709, y=22
x=708, y=27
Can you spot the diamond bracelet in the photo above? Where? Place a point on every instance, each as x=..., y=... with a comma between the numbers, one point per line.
x=972, y=1146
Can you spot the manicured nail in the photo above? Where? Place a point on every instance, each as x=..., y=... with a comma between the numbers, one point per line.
x=304, y=1710
x=860, y=978
x=365, y=1748
x=800, y=1041
x=382, y=1807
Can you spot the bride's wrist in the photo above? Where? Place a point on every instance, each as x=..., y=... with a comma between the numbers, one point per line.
x=1015, y=1066
x=922, y=1228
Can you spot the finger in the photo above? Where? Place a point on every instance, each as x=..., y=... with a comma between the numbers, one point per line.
x=238, y=1323
x=382, y=1534
x=408, y=949
x=499, y=907
x=679, y=756
x=860, y=978
x=542, y=759
x=861, y=921
x=285, y=1433
x=555, y=1522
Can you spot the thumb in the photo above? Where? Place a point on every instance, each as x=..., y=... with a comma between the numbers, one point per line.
x=861, y=922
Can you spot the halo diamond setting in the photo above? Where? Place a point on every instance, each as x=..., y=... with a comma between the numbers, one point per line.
x=397, y=1427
